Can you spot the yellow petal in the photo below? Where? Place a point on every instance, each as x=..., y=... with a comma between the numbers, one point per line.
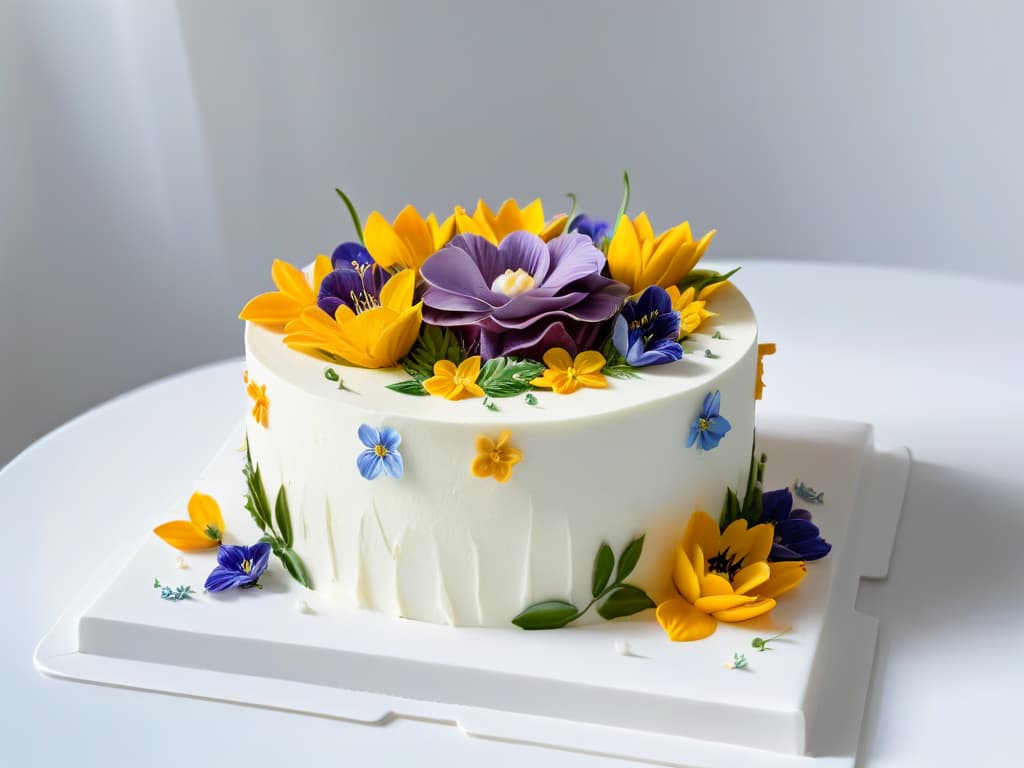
x=590, y=361
x=291, y=281
x=714, y=584
x=682, y=622
x=557, y=359
x=204, y=512
x=413, y=230
x=440, y=386
x=737, y=539
x=397, y=337
x=469, y=368
x=482, y=466
x=784, y=577
x=684, y=576
x=472, y=390
x=384, y=244
x=745, y=612
x=441, y=233
x=532, y=217
x=624, y=253
x=465, y=224
x=595, y=380
x=715, y=603
x=511, y=455
x=642, y=225
x=501, y=471
x=183, y=535
x=271, y=310
x=701, y=532
x=564, y=384
x=748, y=579
x=557, y=226
x=445, y=369
x=484, y=444
x=503, y=439
x=397, y=292
x=321, y=268
x=544, y=381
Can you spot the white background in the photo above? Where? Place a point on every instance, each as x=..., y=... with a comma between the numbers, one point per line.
x=156, y=156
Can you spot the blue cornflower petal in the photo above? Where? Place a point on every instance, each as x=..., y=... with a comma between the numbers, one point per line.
x=694, y=434
x=230, y=556
x=719, y=425
x=390, y=439
x=221, y=579
x=709, y=439
x=369, y=436
x=369, y=464
x=393, y=465
x=259, y=553
x=716, y=404
x=796, y=531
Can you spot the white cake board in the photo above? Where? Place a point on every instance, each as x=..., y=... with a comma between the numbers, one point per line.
x=666, y=703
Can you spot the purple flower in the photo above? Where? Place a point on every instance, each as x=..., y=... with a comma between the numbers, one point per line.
x=381, y=454
x=355, y=282
x=796, y=537
x=238, y=567
x=522, y=297
x=596, y=229
x=710, y=427
x=646, y=332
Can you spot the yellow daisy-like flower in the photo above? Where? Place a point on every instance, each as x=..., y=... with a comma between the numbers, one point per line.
x=691, y=312
x=565, y=375
x=260, y=404
x=724, y=577
x=294, y=295
x=375, y=338
x=408, y=241
x=510, y=218
x=454, y=383
x=639, y=259
x=495, y=459
x=204, y=528
x=763, y=350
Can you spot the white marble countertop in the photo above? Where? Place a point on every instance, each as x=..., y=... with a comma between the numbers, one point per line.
x=933, y=360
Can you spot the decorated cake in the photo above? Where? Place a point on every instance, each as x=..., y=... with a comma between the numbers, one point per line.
x=501, y=419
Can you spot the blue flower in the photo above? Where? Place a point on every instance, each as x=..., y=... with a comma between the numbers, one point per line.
x=596, y=229
x=238, y=567
x=710, y=427
x=381, y=453
x=646, y=331
x=355, y=282
x=796, y=537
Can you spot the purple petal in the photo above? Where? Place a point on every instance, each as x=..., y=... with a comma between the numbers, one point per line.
x=349, y=254
x=221, y=579
x=654, y=299
x=782, y=553
x=813, y=550
x=795, y=531
x=531, y=343
x=369, y=436
x=456, y=271
x=573, y=257
x=776, y=505
x=230, y=556
x=259, y=554
x=369, y=464
x=521, y=250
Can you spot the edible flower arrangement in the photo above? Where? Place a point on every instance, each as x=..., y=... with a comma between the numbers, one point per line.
x=490, y=305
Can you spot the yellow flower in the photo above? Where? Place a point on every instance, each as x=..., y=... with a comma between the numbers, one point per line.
x=692, y=313
x=565, y=375
x=375, y=338
x=204, y=528
x=639, y=259
x=510, y=218
x=763, y=350
x=724, y=577
x=294, y=295
x=495, y=459
x=408, y=241
x=454, y=383
x=260, y=405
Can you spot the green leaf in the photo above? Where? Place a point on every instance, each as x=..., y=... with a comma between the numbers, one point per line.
x=699, y=279
x=625, y=601
x=256, y=500
x=331, y=375
x=603, y=564
x=352, y=213
x=730, y=509
x=753, y=500
x=411, y=387
x=624, y=371
x=434, y=343
x=508, y=376
x=623, y=207
x=294, y=565
x=550, y=614
x=628, y=559
x=283, y=516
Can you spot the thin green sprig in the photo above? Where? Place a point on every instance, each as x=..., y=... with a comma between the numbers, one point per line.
x=353, y=214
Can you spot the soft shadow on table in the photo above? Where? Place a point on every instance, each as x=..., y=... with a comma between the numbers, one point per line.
x=957, y=567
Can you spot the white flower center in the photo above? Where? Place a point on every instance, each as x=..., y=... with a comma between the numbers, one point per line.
x=513, y=283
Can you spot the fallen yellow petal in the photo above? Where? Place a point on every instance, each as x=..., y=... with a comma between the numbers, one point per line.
x=684, y=623
x=185, y=536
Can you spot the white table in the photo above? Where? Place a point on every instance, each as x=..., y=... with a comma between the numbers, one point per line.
x=934, y=361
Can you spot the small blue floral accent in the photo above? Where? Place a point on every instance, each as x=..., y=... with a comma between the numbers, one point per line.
x=238, y=567
x=596, y=229
x=710, y=427
x=381, y=454
x=174, y=594
x=646, y=332
x=796, y=537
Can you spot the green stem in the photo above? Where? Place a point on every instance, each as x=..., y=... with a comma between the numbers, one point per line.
x=604, y=592
x=572, y=212
x=623, y=207
x=353, y=214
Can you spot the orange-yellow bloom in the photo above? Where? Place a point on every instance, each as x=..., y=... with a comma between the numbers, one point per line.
x=294, y=295
x=408, y=241
x=204, y=528
x=724, y=577
x=495, y=459
x=454, y=383
x=510, y=218
x=639, y=259
x=565, y=375
x=691, y=312
x=763, y=350
x=260, y=404
x=375, y=338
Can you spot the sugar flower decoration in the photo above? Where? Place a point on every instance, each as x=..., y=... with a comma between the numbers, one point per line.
x=565, y=374
x=203, y=530
x=455, y=383
x=495, y=459
x=710, y=427
x=723, y=576
x=796, y=536
x=356, y=281
x=763, y=350
x=640, y=259
x=408, y=241
x=647, y=331
x=522, y=297
x=295, y=294
x=372, y=337
x=260, y=401
x=692, y=313
x=238, y=566
x=381, y=454
x=510, y=218
x=596, y=229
